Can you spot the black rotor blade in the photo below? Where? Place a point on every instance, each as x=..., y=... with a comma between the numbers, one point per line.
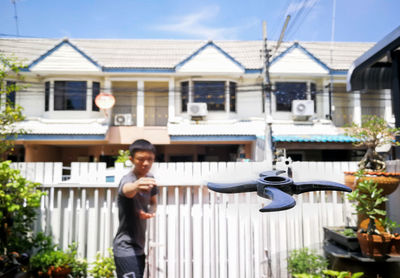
x=301, y=187
x=271, y=173
x=280, y=200
x=233, y=187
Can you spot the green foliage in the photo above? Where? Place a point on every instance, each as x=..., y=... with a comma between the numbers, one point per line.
x=348, y=232
x=305, y=261
x=19, y=199
x=123, y=156
x=342, y=274
x=103, y=267
x=47, y=259
x=368, y=198
x=389, y=225
x=10, y=113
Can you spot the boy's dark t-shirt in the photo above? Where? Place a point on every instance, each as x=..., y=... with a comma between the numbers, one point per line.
x=130, y=237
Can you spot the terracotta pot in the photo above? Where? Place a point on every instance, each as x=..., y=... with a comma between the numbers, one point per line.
x=388, y=181
x=374, y=245
x=395, y=245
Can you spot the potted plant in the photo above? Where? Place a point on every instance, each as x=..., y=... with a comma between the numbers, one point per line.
x=390, y=227
x=374, y=241
x=56, y=263
x=343, y=236
x=374, y=132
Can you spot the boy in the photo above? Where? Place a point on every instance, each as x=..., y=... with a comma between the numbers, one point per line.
x=137, y=202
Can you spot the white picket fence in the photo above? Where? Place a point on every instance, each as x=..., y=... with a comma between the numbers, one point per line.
x=197, y=232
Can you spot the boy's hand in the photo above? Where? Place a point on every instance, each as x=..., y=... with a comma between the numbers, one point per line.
x=145, y=184
x=145, y=215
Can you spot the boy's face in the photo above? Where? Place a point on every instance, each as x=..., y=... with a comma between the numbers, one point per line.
x=142, y=160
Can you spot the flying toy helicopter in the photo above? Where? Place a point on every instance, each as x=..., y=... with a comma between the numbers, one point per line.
x=279, y=189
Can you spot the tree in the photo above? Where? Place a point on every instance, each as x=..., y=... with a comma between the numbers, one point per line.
x=10, y=112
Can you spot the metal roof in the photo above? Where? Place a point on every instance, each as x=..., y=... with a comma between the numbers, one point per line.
x=167, y=54
x=220, y=129
x=40, y=127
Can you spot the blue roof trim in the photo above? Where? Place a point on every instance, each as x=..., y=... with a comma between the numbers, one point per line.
x=315, y=138
x=297, y=45
x=147, y=70
x=338, y=72
x=250, y=71
x=210, y=43
x=65, y=41
x=61, y=137
x=219, y=138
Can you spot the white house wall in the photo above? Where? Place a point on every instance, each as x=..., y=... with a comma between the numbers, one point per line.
x=297, y=62
x=65, y=59
x=249, y=100
x=210, y=60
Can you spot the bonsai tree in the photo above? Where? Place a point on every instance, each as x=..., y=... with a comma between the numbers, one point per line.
x=368, y=202
x=372, y=133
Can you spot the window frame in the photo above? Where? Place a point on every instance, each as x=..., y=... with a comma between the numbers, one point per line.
x=187, y=95
x=61, y=93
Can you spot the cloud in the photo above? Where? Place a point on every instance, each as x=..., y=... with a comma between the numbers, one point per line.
x=295, y=7
x=195, y=25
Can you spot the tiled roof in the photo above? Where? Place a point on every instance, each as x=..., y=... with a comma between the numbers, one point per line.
x=237, y=128
x=314, y=138
x=57, y=127
x=119, y=53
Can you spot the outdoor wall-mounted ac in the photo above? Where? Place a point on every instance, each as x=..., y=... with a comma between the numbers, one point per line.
x=302, y=108
x=197, y=109
x=123, y=119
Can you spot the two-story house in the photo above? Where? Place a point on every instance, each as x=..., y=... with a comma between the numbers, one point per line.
x=195, y=100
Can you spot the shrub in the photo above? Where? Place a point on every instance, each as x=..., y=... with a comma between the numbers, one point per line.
x=305, y=261
x=103, y=267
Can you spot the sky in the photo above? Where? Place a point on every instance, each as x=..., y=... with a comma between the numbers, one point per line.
x=310, y=20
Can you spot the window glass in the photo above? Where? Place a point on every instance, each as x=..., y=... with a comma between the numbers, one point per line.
x=210, y=92
x=70, y=95
x=11, y=93
x=184, y=95
x=46, y=96
x=95, y=92
x=286, y=92
x=232, y=96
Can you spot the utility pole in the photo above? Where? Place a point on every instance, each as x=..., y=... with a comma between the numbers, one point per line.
x=15, y=16
x=268, y=153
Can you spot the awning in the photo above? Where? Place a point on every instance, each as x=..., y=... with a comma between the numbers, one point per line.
x=373, y=70
x=314, y=138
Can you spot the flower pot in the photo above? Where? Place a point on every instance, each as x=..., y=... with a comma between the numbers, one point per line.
x=374, y=245
x=334, y=235
x=388, y=181
x=59, y=272
x=395, y=245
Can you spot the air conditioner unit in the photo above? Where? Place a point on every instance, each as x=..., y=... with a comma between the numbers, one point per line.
x=197, y=109
x=302, y=108
x=123, y=119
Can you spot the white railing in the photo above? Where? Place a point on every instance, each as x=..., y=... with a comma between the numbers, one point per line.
x=196, y=233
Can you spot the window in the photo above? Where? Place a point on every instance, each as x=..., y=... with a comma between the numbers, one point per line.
x=70, y=95
x=286, y=92
x=46, y=95
x=232, y=96
x=10, y=93
x=95, y=92
x=210, y=92
x=184, y=95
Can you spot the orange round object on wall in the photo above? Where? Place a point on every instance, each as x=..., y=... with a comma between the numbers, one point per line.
x=104, y=100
